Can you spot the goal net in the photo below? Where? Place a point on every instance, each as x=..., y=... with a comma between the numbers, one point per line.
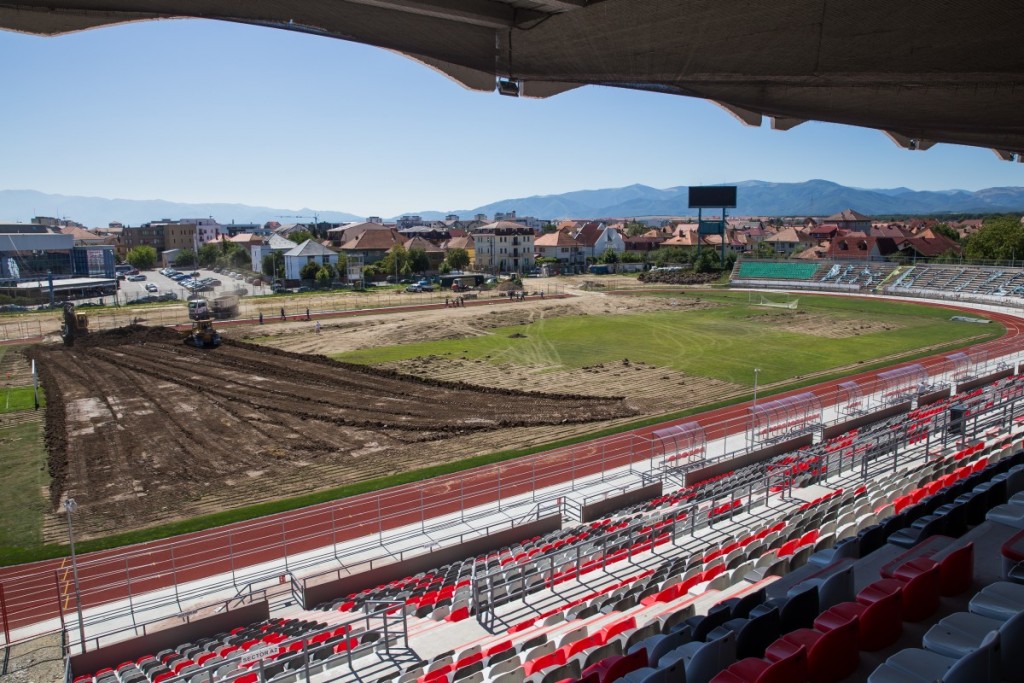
x=764, y=301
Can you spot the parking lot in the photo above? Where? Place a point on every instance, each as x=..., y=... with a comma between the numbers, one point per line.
x=134, y=291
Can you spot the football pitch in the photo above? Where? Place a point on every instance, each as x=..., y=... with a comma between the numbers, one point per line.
x=717, y=335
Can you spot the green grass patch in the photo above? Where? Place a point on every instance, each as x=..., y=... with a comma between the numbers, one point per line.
x=725, y=342
x=14, y=399
x=24, y=497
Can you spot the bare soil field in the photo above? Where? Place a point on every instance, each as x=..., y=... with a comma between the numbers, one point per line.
x=142, y=429
x=819, y=325
x=370, y=331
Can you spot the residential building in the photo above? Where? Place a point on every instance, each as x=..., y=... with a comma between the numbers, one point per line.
x=596, y=238
x=642, y=244
x=233, y=228
x=562, y=246
x=408, y=222
x=851, y=220
x=435, y=254
x=788, y=240
x=207, y=229
x=503, y=248
x=350, y=231
x=310, y=251
x=371, y=245
x=273, y=244
x=462, y=242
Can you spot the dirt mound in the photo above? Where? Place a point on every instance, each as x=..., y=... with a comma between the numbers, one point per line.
x=129, y=334
x=142, y=428
x=678, y=277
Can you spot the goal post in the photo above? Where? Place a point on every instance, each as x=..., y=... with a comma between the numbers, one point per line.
x=791, y=304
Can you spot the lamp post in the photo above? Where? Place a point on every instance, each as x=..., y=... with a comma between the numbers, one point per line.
x=757, y=371
x=70, y=506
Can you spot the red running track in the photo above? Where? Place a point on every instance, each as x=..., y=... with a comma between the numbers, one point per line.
x=38, y=591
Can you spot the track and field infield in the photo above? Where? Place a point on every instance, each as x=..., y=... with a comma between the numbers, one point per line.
x=716, y=336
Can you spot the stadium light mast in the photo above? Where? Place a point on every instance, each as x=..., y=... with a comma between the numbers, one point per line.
x=757, y=371
x=70, y=506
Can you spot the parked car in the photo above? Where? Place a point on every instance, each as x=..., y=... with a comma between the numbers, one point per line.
x=138, y=277
x=151, y=287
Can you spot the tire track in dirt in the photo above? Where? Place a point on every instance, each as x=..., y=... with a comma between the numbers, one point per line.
x=154, y=430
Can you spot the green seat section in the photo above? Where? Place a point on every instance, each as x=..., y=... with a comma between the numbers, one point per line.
x=771, y=270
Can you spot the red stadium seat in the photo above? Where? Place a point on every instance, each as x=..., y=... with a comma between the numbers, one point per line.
x=879, y=611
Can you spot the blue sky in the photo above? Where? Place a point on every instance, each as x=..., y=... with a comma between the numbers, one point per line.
x=195, y=111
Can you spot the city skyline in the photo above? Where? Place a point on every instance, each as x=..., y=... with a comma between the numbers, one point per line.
x=199, y=111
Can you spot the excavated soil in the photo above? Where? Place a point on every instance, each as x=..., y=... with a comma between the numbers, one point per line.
x=371, y=331
x=142, y=429
x=818, y=325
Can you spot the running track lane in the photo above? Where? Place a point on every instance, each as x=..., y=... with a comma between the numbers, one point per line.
x=32, y=589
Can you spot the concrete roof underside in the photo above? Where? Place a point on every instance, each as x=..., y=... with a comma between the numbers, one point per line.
x=924, y=71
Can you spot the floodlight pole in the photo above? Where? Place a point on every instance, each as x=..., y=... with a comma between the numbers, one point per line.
x=757, y=371
x=70, y=506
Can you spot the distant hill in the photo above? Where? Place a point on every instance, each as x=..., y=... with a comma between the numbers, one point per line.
x=760, y=198
x=754, y=198
x=23, y=205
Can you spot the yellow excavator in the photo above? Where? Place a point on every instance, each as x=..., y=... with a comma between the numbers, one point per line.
x=74, y=325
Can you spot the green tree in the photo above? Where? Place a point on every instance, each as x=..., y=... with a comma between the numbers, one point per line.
x=764, y=250
x=1000, y=239
x=673, y=256
x=209, y=254
x=300, y=236
x=273, y=264
x=633, y=256
x=708, y=261
x=635, y=229
x=457, y=259
x=324, y=276
x=396, y=261
x=143, y=257
x=240, y=258
x=309, y=271
x=186, y=258
x=419, y=262
x=609, y=256
x=946, y=231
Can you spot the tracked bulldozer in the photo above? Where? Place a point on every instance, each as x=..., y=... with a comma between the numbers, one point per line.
x=75, y=324
x=203, y=335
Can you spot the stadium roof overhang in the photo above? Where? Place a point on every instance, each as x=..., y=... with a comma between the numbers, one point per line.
x=922, y=71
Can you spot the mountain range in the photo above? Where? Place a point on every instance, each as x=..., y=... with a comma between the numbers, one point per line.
x=754, y=198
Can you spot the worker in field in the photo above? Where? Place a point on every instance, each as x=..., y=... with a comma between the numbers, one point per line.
x=282, y=313
x=318, y=327
x=261, y=317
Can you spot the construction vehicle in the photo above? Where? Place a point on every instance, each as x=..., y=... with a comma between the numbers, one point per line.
x=74, y=325
x=198, y=309
x=203, y=335
x=224, y=306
